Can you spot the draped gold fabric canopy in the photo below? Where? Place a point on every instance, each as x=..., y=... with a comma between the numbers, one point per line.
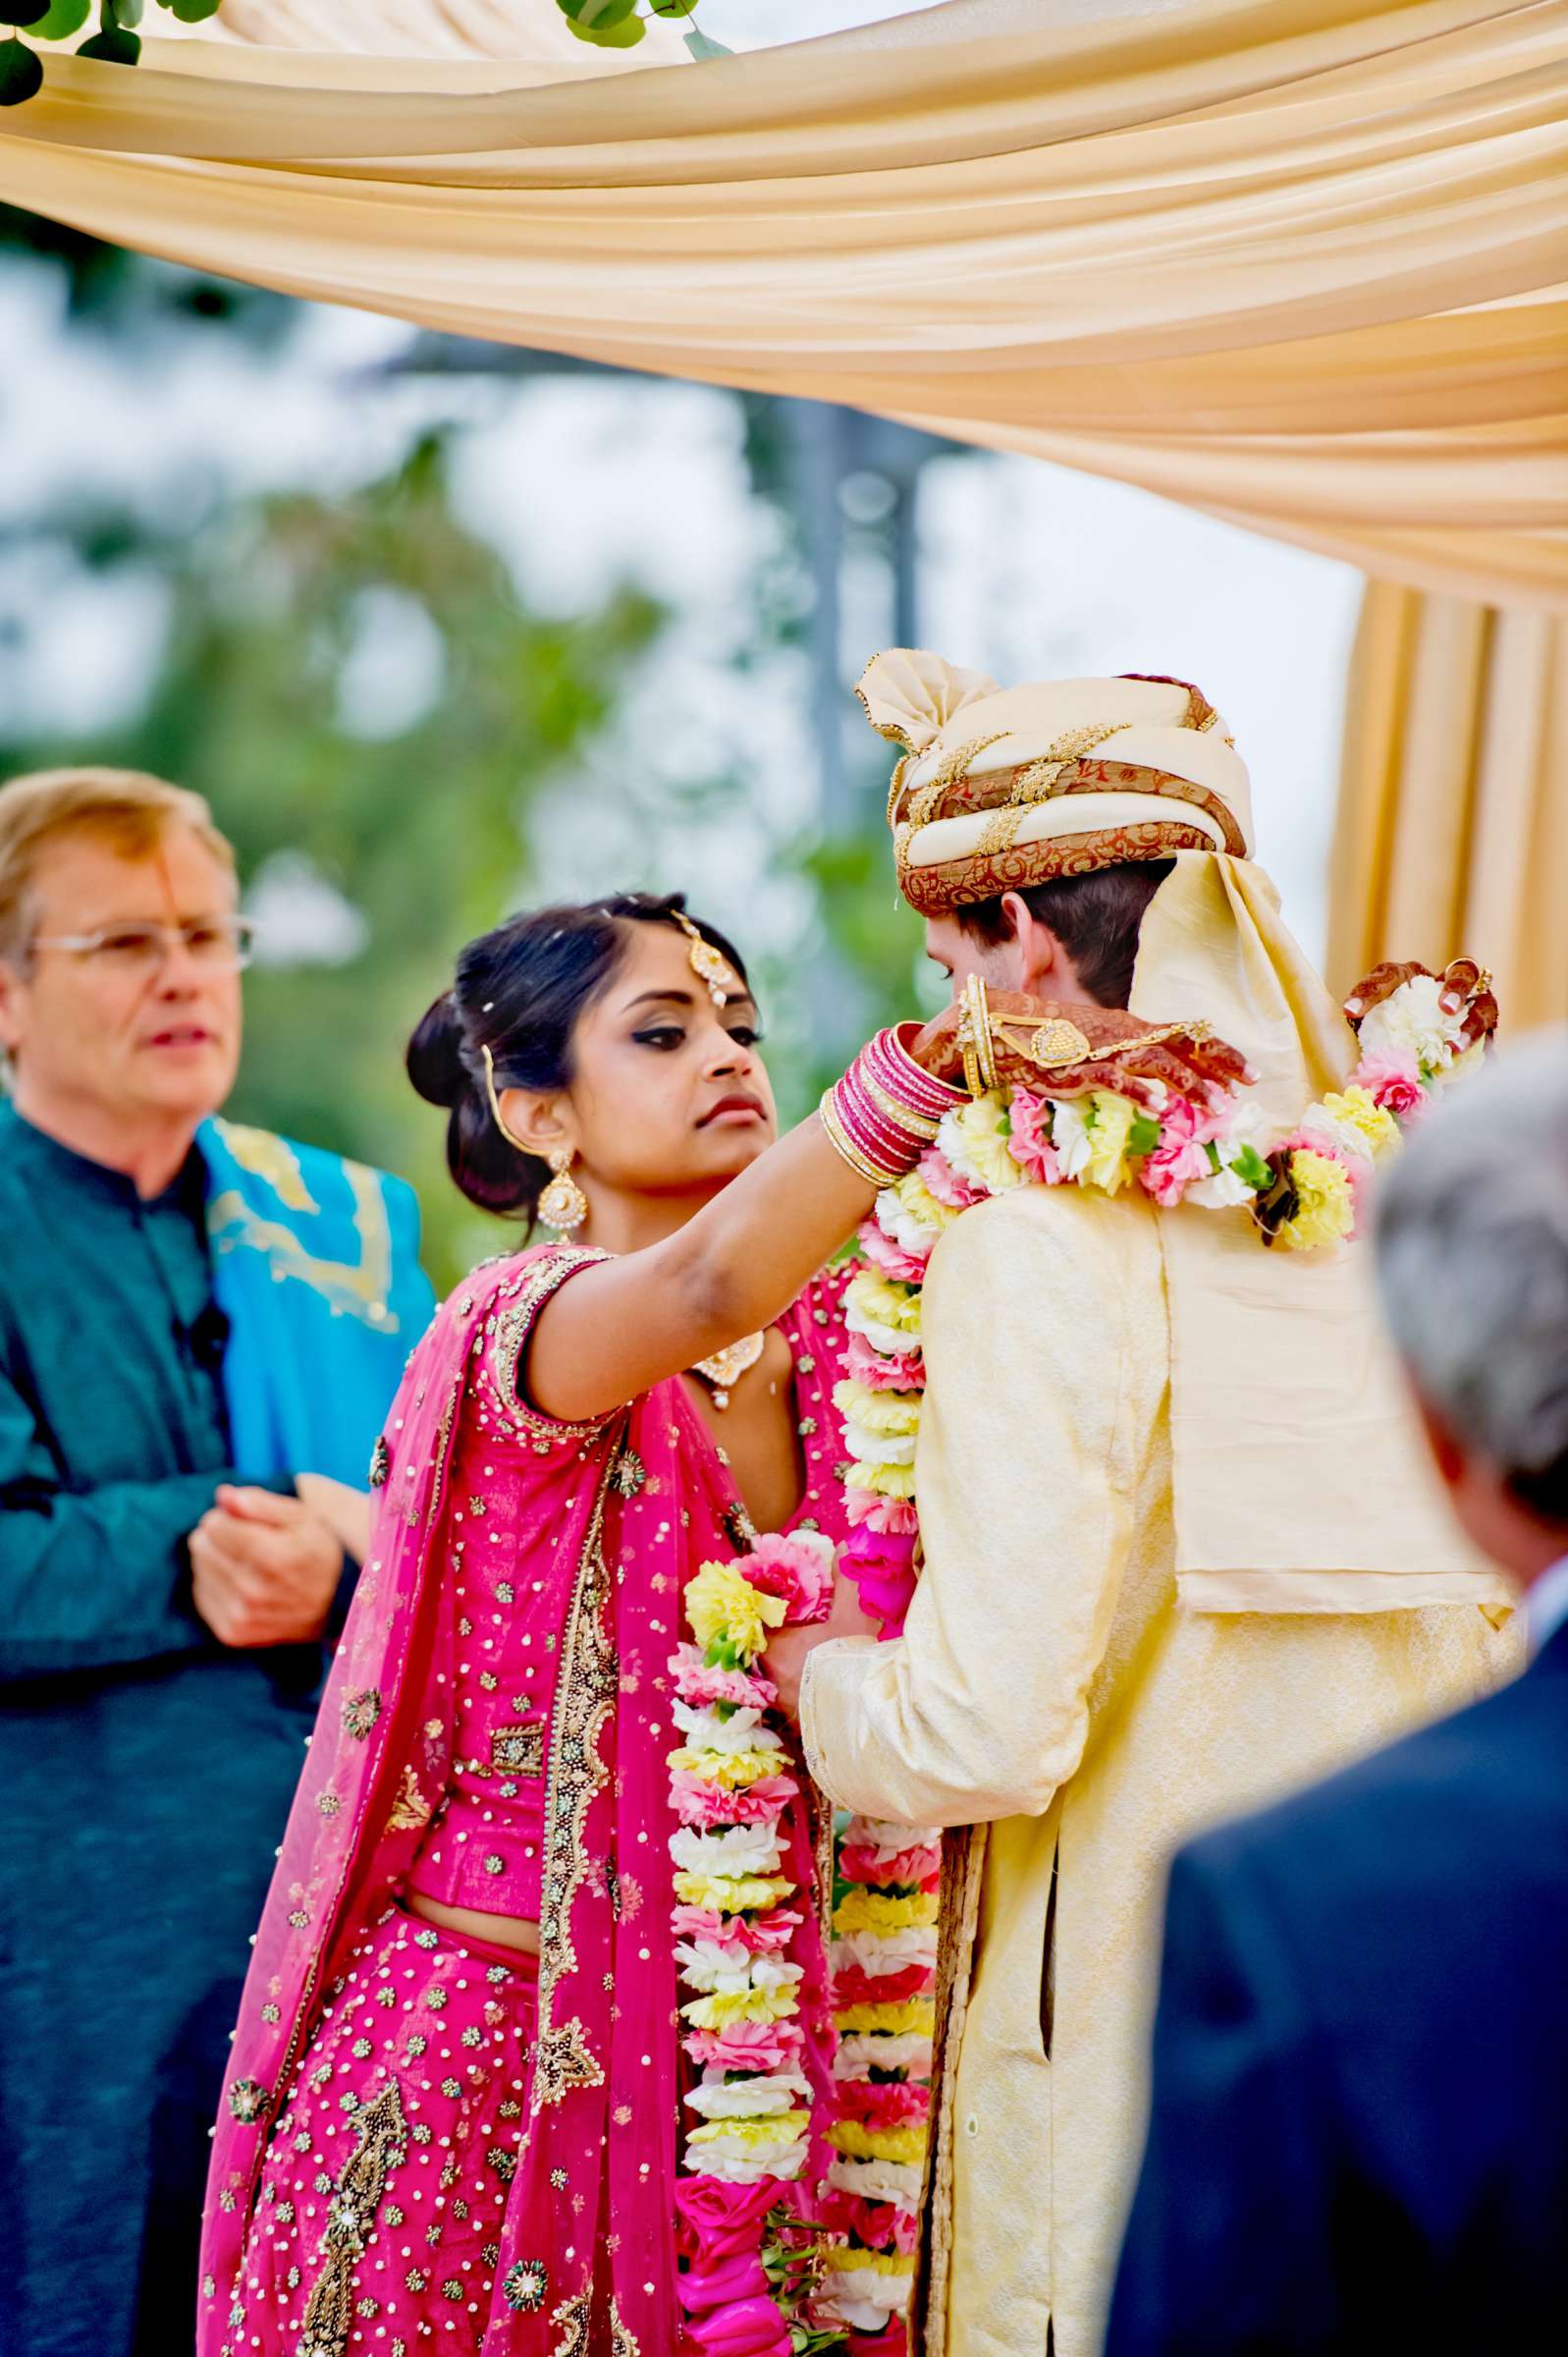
x=1000, y=788
x=1299, y=262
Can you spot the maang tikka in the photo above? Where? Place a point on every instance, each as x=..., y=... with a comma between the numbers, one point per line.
x=563, y=1205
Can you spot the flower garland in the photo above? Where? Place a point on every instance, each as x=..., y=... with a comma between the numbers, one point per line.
x=1209, y=1148
x=738, y=1949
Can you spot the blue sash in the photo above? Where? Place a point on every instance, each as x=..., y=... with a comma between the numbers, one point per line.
x=316, y=1266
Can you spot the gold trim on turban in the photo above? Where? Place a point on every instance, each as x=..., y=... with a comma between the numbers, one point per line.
x=1000, y=788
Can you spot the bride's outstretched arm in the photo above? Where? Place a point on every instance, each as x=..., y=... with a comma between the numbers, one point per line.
x=628, y=1323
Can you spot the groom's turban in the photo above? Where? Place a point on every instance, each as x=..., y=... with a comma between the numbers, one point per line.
x=1002, y=787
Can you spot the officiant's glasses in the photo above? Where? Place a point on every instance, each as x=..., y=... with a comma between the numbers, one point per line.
x=222, y=944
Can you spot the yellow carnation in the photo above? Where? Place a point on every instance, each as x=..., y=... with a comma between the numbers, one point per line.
x=919, y=1205
x=883, y=1481
x=916, y=2016
x=721, y=1601
x=873, y=1911
x=1358, y=1112
x=983, y=1131
x=734, y=1770
x=1107, y=1167
x=881, y=1301
x=732, y=1894
x=1325, y=1210
x=726, y=2005
x=766, y=2130
x=859, y=2143
x=891, y=1414
x=846, y=2259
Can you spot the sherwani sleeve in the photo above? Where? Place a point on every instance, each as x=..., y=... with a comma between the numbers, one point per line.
x=979, y=1711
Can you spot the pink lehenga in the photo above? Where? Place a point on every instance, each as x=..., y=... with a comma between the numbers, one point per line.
x=427, y=2141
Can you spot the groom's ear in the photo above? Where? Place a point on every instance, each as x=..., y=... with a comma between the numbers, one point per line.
x=1036, y=953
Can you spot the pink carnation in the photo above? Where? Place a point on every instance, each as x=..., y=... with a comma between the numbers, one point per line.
x=747, y=2045
x=798, y=1572
x=882, y=1565
x=1030, y=1141
x=913, y=1865
x=1180, y=1159
x=869, y=1506
x=877, y=2225
x=697, y=1682
x=1392, y=1078
x=909, y=1268
x=947, y=1183
x=759, y=1935
x=697, y=1803
x=885, y=2103
x=900, y=1371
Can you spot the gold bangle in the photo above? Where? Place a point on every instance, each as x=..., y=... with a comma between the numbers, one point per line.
x=834, y=1131
x=919, y=1124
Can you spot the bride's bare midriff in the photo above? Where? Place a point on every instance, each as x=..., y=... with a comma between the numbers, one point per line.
x=503, y=1931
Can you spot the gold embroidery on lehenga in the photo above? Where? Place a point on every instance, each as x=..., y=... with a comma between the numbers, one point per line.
x=518, y=1750
x=511, y=1330
x=584, y=1699
x=410, y=1809
x=383, y=2141
x=623, y=2342
x=571, y=2319
x=561, y=2060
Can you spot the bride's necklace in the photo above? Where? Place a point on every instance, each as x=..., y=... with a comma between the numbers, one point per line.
x=726, y=1367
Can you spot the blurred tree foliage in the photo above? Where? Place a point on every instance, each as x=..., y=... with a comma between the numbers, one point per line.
x=421, y=832
x=416, y=817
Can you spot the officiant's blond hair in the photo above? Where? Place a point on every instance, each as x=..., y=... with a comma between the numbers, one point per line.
x=129, y=807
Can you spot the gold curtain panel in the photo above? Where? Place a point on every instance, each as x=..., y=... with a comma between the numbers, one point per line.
x=1299, y=262
x=1452, y=835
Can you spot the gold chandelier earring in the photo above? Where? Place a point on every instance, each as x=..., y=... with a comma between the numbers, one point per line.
x=563, y=1206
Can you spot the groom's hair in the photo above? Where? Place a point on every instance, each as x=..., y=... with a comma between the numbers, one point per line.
x=1095, y=917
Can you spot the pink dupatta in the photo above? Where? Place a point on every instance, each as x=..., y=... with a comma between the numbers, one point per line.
x=588, y=2240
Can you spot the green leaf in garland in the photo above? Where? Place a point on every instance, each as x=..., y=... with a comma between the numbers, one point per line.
x=26, y=13
x=65, y=18
x=192, y=11
x=20, y=73
x=1252, y=1169
x=1144, y=1135
x=113, y=48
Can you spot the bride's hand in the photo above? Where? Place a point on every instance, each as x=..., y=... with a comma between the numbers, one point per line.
x=786, y=1657
x=1061, y=1050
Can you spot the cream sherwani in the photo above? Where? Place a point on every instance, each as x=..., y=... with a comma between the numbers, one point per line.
x=1050, y=1685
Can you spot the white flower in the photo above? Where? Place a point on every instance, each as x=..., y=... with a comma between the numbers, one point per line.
x=1343, y=1136
x=741, y=2167
x=1248, y=1126
x=719, y=2097
x=1413, y=1018
x=882, y=1835
x=911, y=1215
x=879, y=1952
x=896, y=2181
x=1069, y=1134
x=851, y=2293
x=743, y=1730
x=737, y=1849
x=878, y=1448
x=861, y=2052
x=886, y=1341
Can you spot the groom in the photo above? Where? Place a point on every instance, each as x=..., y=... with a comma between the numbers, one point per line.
x=1178, y=1551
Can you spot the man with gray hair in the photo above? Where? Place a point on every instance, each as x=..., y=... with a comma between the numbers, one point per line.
x=1359, y=2139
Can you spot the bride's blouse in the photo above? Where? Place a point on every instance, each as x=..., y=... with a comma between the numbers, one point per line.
x=517, y=1477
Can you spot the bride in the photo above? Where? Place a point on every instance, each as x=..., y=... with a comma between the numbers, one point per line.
x=455, y=2113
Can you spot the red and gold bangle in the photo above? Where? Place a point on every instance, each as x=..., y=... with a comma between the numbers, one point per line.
x=885, y=1111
